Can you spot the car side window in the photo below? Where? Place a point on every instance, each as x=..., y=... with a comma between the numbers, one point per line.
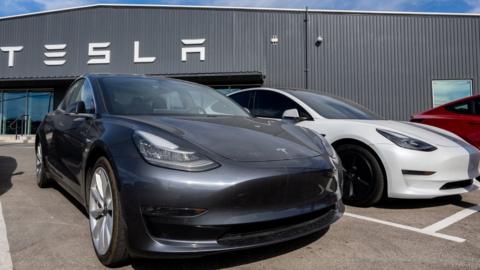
x=272, y=105
x=243, y=99
x=461, y=108
x=72, y=97
x=86, y=95
x=477, y=106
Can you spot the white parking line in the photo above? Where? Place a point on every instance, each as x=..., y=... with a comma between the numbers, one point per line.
x=408, y=228
x=5, y=259
x=442, y=224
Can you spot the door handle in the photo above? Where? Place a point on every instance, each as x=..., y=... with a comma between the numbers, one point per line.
x=474, y=123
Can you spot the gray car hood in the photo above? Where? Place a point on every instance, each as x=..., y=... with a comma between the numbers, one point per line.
x=240, y=138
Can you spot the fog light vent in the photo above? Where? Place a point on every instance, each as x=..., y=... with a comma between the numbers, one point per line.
x=457, y=184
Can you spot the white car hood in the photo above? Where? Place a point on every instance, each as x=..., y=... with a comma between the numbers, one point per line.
x=429, y=134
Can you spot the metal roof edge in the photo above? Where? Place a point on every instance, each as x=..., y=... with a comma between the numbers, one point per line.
x=241, y=8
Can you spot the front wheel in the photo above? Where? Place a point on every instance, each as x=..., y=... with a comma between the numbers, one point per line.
x=107, y=226
x=42, y=180
x=363, y=178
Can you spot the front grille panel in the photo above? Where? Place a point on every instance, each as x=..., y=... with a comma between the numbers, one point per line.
x=279, y=233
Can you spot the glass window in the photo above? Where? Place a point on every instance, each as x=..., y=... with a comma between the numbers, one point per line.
x=462, y=108
x=1, y=113
x=86, y=95
x=333, y=107
x=72, y=97
x=242, y=98
x=272, y=105
x=39, y=104
x=445, y=91
x=150, y=96
x=477, y=106
x=22, y=111
x=14, y=104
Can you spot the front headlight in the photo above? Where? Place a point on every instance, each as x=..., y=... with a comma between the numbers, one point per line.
x=406, y=142
x=160, y=152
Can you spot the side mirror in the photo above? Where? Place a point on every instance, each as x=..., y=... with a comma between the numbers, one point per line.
x=291, y=114
x=80, y=107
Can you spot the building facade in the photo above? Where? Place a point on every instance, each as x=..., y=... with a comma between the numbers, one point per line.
x=395, y=64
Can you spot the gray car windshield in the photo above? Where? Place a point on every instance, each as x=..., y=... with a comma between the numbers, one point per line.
x=334, y=107
x=151, y=96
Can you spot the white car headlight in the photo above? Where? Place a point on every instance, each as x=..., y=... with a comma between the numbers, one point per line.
x=406, y=141
x=160, y=152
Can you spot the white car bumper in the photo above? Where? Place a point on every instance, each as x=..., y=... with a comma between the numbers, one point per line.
x=416, y=174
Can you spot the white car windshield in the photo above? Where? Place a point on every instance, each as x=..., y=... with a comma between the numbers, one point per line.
x=334, y=107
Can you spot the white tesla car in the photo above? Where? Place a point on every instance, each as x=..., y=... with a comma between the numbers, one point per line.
x=381, y=158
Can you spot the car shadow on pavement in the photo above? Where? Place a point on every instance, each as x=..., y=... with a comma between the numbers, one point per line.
x=424, y=203
x=230, y=259
x=8, y=165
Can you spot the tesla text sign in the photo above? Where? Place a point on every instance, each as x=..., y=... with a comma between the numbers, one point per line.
x=100, y=52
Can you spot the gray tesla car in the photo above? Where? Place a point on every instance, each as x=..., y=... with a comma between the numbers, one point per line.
x=169, y=168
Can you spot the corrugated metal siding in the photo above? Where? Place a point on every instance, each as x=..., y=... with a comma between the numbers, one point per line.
x=385, y=62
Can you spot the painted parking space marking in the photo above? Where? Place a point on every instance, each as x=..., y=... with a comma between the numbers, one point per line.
x=5, y=258
x=444, y=223
x=408, y=228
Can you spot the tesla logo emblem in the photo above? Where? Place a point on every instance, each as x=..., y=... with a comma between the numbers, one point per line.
x=322, y=189
x=283, y=150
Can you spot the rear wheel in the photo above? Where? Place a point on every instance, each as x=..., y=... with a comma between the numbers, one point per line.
x=42, y=180
x=363, y=178
x=107, y=226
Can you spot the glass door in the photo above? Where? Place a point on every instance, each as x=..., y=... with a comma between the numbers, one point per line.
x=14, y=104
x=39, y=104
x=2, y=126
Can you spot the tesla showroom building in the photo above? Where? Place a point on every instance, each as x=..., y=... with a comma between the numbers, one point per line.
x=396, y=64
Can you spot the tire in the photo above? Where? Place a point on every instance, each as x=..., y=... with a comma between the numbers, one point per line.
x=364, y=181
x=105, y=212
x=41, y=176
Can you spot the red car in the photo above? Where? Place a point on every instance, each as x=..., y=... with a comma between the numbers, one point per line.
x=461, y=117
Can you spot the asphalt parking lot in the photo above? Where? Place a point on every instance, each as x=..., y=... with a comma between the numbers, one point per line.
x=46, y=229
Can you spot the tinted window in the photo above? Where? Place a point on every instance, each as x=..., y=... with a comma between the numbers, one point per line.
x=86, y=95
x=73, y=96
x=273, y=105
x=151, y=96
x=461, y=108
x=477, y=106
x=81, y=91
x=242, y=98
x=333, y=107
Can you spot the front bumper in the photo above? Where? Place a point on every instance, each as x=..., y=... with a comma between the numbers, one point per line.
x=247, y=206
x=447, y=167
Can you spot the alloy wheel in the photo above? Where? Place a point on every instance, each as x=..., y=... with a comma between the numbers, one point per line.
x=358, y=177
x=101, y=210
x=38, y=161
